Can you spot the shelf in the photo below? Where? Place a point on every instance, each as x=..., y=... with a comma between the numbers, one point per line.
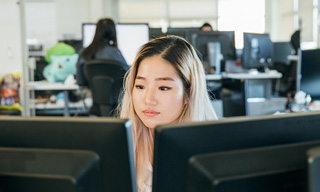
x=60, y=105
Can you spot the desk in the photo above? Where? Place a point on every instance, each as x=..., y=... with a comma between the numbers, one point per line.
x=272, y=75
x=45, y=86
x=239, y=89
x=214, y=77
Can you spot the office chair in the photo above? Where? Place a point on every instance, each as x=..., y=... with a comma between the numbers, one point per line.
x=105, y=79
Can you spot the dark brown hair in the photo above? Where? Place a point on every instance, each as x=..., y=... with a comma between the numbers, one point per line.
x=105, y=34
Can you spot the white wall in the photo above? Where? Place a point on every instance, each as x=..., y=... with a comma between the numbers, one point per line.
x=280, y=19
x=177, y=13
x=306, y=15
x=10, y=37
x=53, y=20
x=41, y=22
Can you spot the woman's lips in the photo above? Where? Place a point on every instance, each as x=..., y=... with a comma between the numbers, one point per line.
x=150, y=113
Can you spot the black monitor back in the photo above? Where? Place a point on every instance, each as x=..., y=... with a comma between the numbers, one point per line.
x=176, y=143
x=50, y=170
x=155, y=33
x=308, y=72
x=281, y=51
x=257, y=51
x=185, y=32
x=226, y=39
x=109, y=138
x=281, y=168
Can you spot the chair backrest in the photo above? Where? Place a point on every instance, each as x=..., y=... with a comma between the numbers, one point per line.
x=105, y=79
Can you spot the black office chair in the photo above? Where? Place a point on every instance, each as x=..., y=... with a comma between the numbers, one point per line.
x=105, y=79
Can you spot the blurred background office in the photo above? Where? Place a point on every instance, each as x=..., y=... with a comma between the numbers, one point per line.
x=31, y=27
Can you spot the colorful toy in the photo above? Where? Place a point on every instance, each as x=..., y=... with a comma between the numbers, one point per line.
x=60, y=67
x=60, y=49
x=9, y=92
x=62, y=59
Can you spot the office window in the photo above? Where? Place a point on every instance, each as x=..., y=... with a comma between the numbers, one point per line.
x=241, y=16
x=173, y=13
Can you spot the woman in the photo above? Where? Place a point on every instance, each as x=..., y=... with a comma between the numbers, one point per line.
x=166, y=84
x=103, y=46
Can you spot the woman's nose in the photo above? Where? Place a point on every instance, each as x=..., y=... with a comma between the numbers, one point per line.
x=150, y=97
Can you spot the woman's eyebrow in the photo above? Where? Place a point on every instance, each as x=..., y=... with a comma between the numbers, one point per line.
x=164, y=79
x=140, y=77
x=157, y=79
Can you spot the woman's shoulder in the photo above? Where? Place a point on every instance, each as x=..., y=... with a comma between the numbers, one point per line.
x=110, y=48
x=111, y=52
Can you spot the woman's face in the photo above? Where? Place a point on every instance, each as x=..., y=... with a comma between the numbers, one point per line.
x=158, y=92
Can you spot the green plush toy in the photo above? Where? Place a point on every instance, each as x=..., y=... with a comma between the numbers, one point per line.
x=60, y=67
x=60, y=49
x=62, y=60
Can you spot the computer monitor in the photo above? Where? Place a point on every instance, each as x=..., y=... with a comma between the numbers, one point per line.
x=308, y=72
x=281, y=51
x=155, y=33
x=130, y=36
x=50, y=170
x=174, y=144
x=257, y=51
x=181, y=32
x=109, y=138
x=202, y=39
x=277, y=168
x=184, y=32
x=313, y=169
x=88, y=31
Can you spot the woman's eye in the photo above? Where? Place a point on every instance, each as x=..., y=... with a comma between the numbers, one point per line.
x=139, y=87
x=164, y=88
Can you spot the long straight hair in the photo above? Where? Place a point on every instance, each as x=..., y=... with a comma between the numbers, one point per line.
x=105, y=34
x=182, y=56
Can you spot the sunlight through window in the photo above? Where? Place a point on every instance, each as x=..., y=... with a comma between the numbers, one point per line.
x=241, y=16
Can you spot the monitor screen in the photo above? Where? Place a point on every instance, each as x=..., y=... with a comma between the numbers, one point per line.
x=308, y=72
x=277, y=168
x=130, y=37
x=257, y=51
x=109, y=138
x=88, y=31
x=174, y=144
